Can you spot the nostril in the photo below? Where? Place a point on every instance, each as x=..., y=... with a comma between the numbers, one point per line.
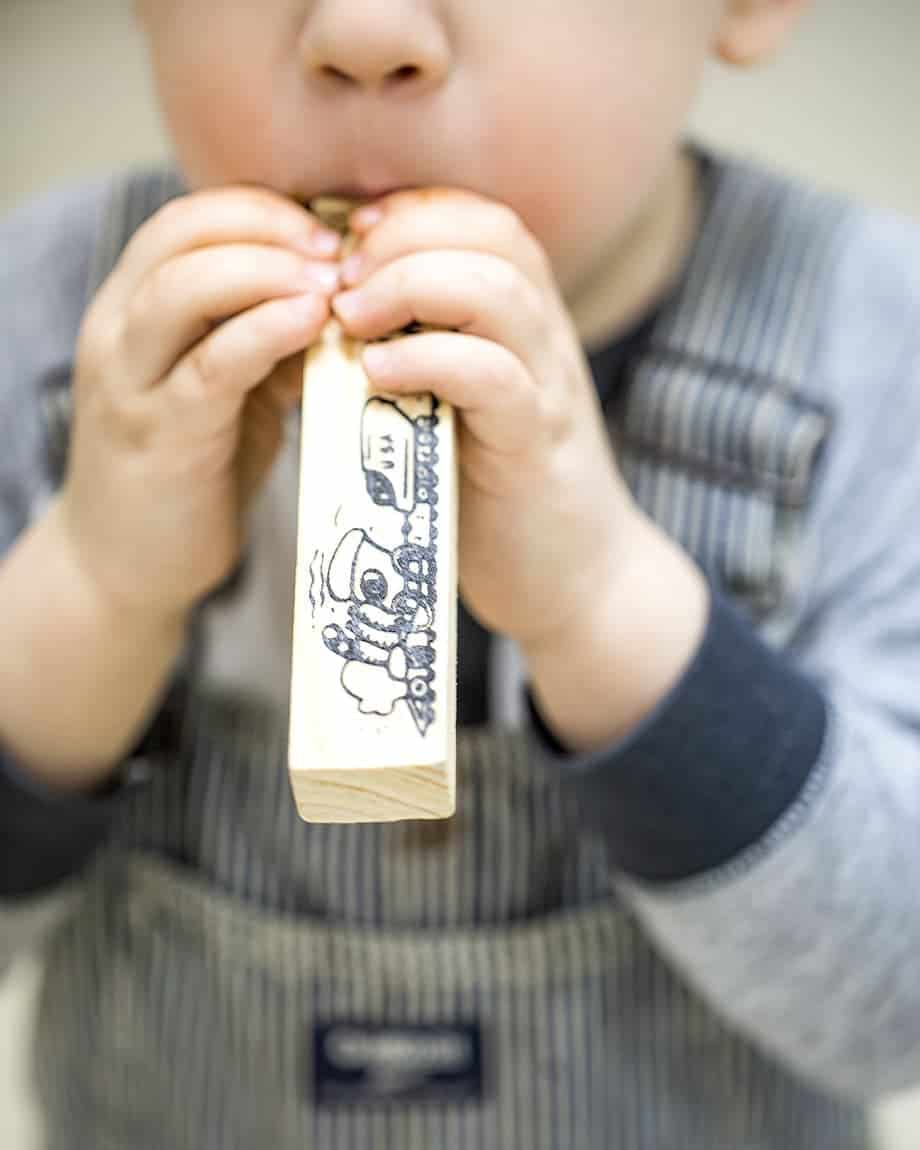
x=405, y=75
x=401, y=75
x=336, y=74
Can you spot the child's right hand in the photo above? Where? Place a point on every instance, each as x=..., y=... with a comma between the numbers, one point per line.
x=186, y=361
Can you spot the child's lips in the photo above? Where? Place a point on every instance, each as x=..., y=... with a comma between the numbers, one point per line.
x=354, y=207
x=361, y=194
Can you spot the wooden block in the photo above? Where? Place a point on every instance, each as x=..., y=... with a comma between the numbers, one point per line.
x=373, y=693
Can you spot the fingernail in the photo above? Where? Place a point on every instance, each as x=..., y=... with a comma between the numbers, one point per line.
x=366, y=217
x=353, y=268
x=322, y=276
x=307, y=307
x=348, y=305
x=323, y=242
x=377, y=359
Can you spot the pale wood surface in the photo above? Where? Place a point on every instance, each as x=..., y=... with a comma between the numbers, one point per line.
x=373, y=692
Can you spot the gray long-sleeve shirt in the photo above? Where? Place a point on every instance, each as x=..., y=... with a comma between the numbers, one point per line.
x=764, y=823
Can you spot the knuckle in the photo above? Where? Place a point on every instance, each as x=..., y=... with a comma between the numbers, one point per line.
x=177, y=210
x=554, y=408
x=100, y=337
x=109, y=410
x=530, y=395
x=539, y=260
x=507, y=221
x=501, y=373
x=510, y=225
x=260, y=199
x=133, y=322
x=274, y=210
x=520, y=235
x=203, y=366
x=406, y=271
x=126, y=420
x=88, y=350
x=157, y=285
x=171, y=217
x=503, y=279
x=267, y=212
x=261, y=206
x=400, y=281
x=265, y=325
x=553, y=415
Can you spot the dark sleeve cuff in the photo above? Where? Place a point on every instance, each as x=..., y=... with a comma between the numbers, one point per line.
x=46, y=835
x=712, y=768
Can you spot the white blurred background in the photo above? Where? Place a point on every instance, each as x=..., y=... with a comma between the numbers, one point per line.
x=840, y=107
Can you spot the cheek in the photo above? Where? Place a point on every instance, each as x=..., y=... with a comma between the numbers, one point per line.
x=216, y=134
x=213, y=95
x=584, y=174
x=591, y=146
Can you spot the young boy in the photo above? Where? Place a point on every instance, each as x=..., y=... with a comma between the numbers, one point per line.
x=676, y=909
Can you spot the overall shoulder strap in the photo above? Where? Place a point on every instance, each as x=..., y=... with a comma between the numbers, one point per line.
x=133, y=198
x=719, y=425
x=722, y=422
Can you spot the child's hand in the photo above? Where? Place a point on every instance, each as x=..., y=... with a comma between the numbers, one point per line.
x=183, y=372
x=543, y=507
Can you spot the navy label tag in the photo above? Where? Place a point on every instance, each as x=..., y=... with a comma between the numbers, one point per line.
x=373, y=1063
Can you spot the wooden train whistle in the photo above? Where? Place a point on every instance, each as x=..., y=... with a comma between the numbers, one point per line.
x=373, y=691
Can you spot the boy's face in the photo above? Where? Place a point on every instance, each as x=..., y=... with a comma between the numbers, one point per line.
x=567, y=110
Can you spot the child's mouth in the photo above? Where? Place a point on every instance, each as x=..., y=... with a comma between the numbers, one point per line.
x=359, y=194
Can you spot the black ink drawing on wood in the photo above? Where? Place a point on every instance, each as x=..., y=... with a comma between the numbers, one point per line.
x=381, y=592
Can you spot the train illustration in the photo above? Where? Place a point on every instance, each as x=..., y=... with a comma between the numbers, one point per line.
x=389, y=594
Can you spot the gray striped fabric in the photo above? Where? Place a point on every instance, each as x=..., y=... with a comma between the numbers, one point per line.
x=719, y=438
x=217, y=931
x=188, y=987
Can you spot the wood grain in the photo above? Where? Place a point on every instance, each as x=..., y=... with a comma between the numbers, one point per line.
x=373, y=691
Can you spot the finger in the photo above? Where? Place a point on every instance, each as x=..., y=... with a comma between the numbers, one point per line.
x=285, y=384
x=261, y=438
x=471, y=292
x=497, y=395
x=220, y=216
x=445, y=219
x=180, y=301
x=262, y=424
x=207, y=388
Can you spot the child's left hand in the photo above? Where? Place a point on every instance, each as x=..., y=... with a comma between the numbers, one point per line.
x=544, y=512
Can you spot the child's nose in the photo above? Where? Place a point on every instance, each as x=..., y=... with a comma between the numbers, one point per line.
x=380, y=45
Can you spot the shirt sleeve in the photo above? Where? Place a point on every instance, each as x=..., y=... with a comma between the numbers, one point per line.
x=764, y=822
x=670, y=799
x=46, y=835
x=45, y=249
